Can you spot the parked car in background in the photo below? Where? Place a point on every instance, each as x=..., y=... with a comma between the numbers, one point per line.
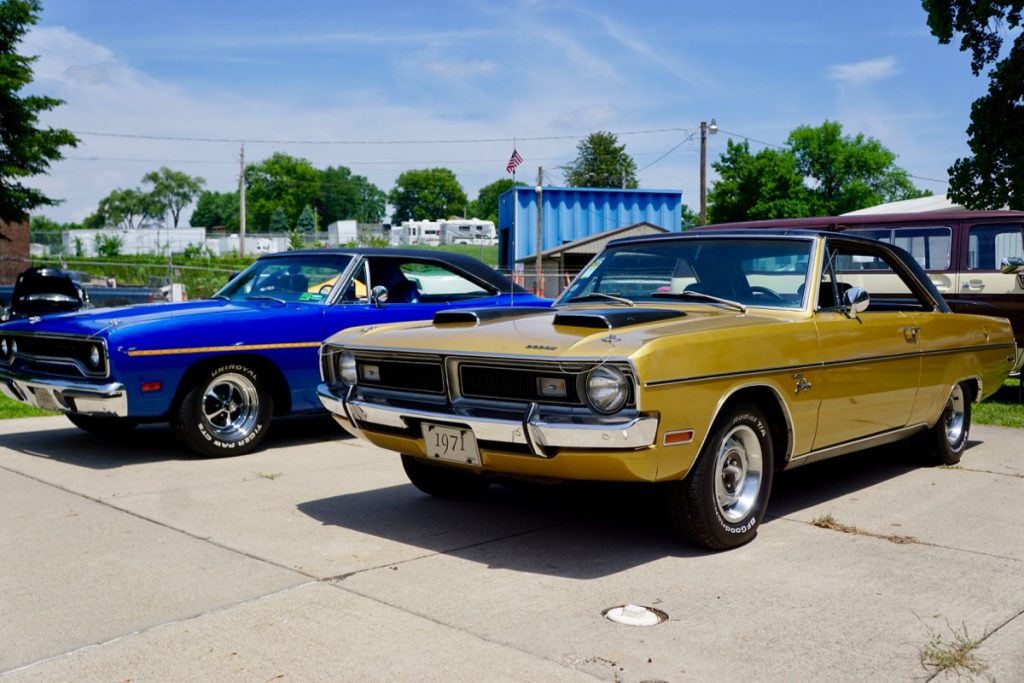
x=704, y=361
x=41, y=291
x=975, y=259
x=219, y=369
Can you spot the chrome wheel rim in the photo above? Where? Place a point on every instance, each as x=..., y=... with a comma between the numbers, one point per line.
x=953, y=416
x=739, y=466
x=231, y=407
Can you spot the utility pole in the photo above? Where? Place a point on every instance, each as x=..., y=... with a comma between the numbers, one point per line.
x=704, y=130
x=539, y=289
x=241, y=203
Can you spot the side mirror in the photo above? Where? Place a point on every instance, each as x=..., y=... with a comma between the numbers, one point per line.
x=379, y=296
x=1011, y=264
x=857, y=301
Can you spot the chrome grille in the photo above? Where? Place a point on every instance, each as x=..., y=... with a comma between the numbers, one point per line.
x=55, y=355
x=513, y=384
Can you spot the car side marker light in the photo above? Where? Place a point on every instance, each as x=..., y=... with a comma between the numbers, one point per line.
x=678, y=437
x=152, y=386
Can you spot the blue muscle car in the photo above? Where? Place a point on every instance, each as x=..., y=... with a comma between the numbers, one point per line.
x=219, y=369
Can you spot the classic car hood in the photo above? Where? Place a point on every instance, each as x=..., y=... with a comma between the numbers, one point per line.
x=570, y=332
x=110, y=322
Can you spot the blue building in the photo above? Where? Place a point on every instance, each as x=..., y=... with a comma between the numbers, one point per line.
x=572, y=213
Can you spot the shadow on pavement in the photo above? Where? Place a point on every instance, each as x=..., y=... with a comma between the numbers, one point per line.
x=153, y=442
x=614, y=526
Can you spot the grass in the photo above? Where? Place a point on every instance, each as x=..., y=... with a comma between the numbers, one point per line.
x=11, y=409
x=956, y=656
x=1003, y=409
x=829, y=522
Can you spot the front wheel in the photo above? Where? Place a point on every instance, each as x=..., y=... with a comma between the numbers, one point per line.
x=441, y=481
x=225, y=411
x=723, y=500
x=948, y=438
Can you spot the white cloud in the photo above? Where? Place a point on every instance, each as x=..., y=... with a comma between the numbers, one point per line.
x=867, y=71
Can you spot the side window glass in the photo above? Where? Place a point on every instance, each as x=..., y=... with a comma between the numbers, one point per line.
x=875, y=272
x=988, y=245
x=930, y=246
x=435, y=282
x=356, y=291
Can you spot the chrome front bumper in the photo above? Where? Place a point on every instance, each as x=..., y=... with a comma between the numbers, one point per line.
x=66, y=396
x=534, y=430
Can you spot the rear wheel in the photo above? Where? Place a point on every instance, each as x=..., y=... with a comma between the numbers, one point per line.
x=948, y=438
x=226, y=411
x=103, y=427
x=442, y=481
x=723, y=500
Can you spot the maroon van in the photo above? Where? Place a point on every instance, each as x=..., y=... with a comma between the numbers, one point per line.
x=974, y=258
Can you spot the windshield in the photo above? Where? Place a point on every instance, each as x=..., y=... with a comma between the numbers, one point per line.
x=305, y=278
x=745, y=271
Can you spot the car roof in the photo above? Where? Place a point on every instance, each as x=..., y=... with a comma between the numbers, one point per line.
x=469, y=264
x=740, y=233
x=834, y=223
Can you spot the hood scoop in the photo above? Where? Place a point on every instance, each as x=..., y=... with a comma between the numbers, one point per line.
x=611, y=318
x=475, y=316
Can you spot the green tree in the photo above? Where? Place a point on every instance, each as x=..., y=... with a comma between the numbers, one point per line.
x=689, y=219
x=757, y=186
x=172, y=191
x=217, y=209
x=427, y=194
x=993, y=176
x=125, y=208
x=485, y=206
x=280, y=181
x=278, y=221
x=25, y=149
x=307, y=220
x=820, y=172
x=601, y=162
x=848, y=172
x=344, y=196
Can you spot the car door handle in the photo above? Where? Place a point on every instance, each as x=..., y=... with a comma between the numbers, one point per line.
x=910, y=333
x=974, y=285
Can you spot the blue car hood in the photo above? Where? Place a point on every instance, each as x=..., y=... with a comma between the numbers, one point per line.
x=171, y=318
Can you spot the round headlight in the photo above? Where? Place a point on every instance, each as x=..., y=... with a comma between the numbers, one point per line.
x=14, y=347
x=607, y=389
x=347, y=367
x=3, y=348
x=94, y=356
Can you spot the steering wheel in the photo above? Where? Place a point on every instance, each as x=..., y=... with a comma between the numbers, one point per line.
x=756, y=289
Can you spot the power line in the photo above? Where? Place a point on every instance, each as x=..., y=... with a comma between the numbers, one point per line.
x=688, y=138
x=174, y=138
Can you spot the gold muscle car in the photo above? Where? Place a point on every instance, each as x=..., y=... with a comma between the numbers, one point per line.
x=702, y=361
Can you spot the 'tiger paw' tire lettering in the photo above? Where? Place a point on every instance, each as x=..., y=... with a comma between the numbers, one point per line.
x=225, y=411
x=722, y=501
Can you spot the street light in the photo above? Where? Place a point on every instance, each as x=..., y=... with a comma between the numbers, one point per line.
x=705, y=130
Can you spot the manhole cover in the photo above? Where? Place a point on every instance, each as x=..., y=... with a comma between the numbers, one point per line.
x=635, y=615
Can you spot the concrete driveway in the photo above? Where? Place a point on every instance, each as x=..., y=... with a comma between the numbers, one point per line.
x=314, y=559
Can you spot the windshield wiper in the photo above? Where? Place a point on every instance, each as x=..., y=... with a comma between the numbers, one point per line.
x=264, y=297
x=702, y=296
x=601, y=295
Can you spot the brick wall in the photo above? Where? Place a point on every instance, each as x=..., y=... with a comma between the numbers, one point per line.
x=13, y=250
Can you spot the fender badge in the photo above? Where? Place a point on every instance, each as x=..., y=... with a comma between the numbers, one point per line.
x=541, y=347
x=801, y=383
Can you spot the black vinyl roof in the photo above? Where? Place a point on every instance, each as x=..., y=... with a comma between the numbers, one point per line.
x=468, y=264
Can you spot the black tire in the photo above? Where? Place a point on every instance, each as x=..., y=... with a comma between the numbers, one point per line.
x=225, y=411
x=947, y=440
x=442, y=481
x=104, y=427
x=721, y=503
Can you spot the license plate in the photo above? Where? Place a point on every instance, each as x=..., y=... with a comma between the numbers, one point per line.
x=453, y=444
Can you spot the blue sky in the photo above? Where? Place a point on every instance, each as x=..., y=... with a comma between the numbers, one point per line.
x=414, y=74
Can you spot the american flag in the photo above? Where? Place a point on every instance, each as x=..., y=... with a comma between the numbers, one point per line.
x=513, y=162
